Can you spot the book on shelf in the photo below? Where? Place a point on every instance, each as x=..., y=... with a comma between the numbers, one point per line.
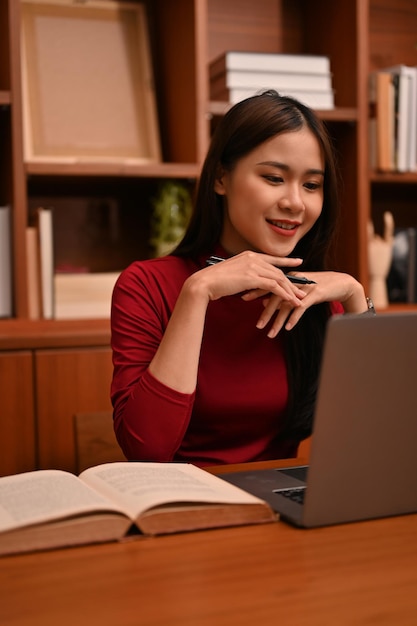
x=406, y=78
x=314, y=99
x=48, y=509
x=235, y=76
x=83, y=295
x=281, y=81
x=33, y=273
x=269, y=62
x=401, y=121
x=393, y=119
x=5, y=262
x=57, y=293
x=402, y=277
x=381, y=125
x=44, y=224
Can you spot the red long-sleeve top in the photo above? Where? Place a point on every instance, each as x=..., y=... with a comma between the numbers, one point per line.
x=237, y=411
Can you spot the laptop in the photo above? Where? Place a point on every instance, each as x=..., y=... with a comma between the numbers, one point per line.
x=363, y=459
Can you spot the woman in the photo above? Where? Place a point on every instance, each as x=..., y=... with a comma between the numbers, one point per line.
x=217, y=362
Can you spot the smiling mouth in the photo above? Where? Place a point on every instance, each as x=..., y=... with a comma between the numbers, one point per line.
x=283, y=225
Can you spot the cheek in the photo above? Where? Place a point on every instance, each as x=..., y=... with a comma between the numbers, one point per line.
x=315, y=210
x=239, y=201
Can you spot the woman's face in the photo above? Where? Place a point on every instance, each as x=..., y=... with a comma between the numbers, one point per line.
x=273, y=195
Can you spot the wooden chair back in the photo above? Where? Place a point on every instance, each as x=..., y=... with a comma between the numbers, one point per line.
x=95, y=441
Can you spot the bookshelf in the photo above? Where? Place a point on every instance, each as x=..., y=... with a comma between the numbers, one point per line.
x=359, y=36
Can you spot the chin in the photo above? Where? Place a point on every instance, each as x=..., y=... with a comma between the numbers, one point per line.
x=283, y=251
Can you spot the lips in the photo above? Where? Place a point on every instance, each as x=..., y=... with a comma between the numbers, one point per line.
x=284, y=227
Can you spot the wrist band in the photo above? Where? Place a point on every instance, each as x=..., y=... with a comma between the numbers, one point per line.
x=371, y=308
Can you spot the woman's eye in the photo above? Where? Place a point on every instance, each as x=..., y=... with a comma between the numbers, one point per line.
x=273, y=178
x=312, y=186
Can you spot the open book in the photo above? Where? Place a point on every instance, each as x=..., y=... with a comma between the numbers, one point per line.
x=51, y=508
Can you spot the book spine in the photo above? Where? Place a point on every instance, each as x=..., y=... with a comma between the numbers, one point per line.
x=270, y=80
x=314, y=99
x=409, y=107
x=32, y=257
x=5, y=263
x=258, y=61
x=395, y=120
x=384, y=120
x=46, y=261
x=403, y=122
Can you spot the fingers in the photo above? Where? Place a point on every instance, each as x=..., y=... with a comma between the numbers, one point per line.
x=294, y=294
x=388, y=226
x=281, y=261
x=281, y=315
x=254, y=274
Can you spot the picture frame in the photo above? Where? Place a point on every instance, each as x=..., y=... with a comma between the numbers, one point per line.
x=87, y=83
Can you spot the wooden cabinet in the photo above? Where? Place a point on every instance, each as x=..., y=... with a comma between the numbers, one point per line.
x=49, y=373
x=68, y=381
x=359, y=36
x=41, y=391
x=17, y=423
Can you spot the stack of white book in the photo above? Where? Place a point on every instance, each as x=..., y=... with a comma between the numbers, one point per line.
x=235, y=76
x=393, y=119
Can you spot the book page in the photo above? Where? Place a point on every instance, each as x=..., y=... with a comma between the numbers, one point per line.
x=139, y=486
x=46, y=495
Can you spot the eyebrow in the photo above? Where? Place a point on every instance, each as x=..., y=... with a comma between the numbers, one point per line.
x=284, y=166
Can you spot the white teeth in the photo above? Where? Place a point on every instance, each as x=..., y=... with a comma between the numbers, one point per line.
x=284, y=226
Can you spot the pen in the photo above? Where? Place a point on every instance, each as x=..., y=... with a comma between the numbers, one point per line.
x=299, y=280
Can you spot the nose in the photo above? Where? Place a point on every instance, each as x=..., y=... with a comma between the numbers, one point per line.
x=291, y=199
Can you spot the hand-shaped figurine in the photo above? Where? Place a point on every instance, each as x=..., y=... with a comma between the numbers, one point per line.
x=380, y=258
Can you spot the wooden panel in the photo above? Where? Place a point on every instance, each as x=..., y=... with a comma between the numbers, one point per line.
x=392, y=35
x=18, y=180
x=322, y=25
x=68, y=382
x=174, y=51
x=263, y=26
x=17, y=426
x=4, y=47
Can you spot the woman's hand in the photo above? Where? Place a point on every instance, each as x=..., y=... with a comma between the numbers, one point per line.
x=183, y=335
x=329, y=287
x=250, y=272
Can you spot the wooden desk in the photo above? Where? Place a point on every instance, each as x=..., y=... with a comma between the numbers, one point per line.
x=348, y=575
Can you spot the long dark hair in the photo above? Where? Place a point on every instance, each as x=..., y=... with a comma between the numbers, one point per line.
x=245, y=126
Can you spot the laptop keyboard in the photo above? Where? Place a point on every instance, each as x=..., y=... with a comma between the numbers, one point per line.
x=296, y=495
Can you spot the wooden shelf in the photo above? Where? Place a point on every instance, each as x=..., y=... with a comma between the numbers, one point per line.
x=216, y=109
x=122, y=169
x=394, y=177
x=38, y=334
